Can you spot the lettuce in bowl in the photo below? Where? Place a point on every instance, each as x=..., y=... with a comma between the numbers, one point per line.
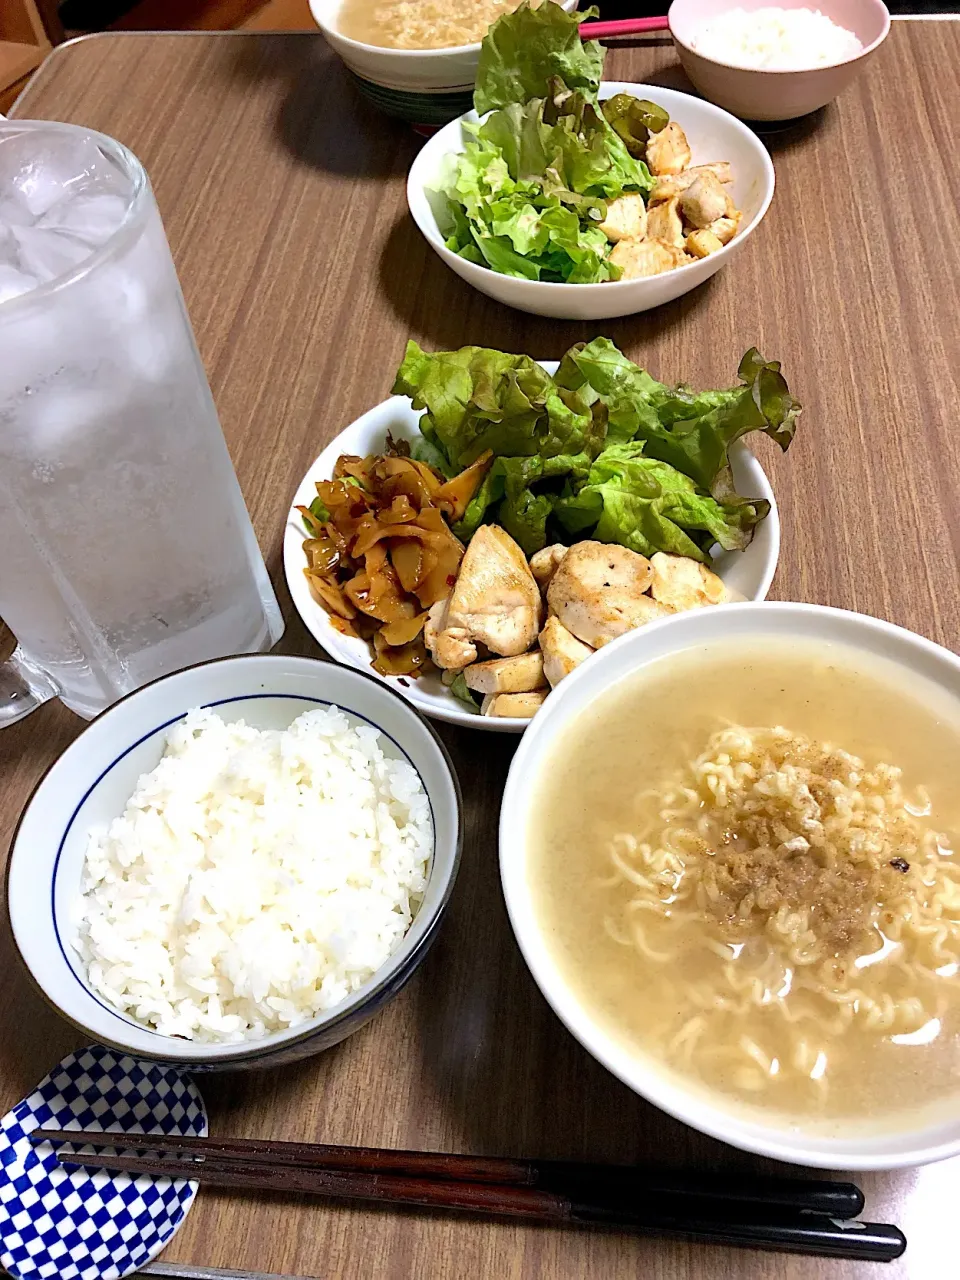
x=600, y=449
x=527, y=194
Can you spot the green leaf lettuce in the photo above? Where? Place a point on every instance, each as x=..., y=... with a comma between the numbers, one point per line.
x=602, y=450
x=460, y=690
x=692, y=431
x=524, y=50
x=527, y=193
x=477, y=399
x=650, y=506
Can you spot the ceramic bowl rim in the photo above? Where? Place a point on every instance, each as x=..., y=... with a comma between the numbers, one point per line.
x=265, y=1048
x=473, y=47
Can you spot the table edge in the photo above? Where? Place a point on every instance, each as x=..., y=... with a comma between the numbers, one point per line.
x=34, y=80
x=258, y=34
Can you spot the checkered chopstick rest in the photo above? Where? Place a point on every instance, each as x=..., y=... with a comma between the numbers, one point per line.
x=60, y=1224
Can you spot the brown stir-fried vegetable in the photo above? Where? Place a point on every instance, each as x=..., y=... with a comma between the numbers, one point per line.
x=381, y=551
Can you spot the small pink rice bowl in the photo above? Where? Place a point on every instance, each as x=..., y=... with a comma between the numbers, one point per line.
x=775, y=95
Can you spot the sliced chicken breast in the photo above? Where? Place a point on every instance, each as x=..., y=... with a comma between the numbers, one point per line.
x=704, y=201
x=545, y=562
x=562, y=651
x=450, y=647
x=683, y=583
x=626, y=218
x=599, y=592
x=668, y=151
x=664, y=222
x=522, y=674
x=671, y=185
x=637, y=258
x=725, y=228
x=495, y=602
x=521, y=706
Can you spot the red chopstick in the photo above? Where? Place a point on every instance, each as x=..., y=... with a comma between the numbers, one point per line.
x=623, y=27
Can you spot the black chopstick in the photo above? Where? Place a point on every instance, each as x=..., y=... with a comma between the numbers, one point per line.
x=799, y=1195
x=800, y=1233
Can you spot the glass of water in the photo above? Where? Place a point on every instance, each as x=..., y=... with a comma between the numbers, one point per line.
x=126, y=551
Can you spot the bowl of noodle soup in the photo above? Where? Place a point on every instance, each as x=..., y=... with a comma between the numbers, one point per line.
x=415, y=59
x=730, y=853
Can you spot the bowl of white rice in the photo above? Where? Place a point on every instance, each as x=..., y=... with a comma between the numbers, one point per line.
x=237, y=865
x=764, y=61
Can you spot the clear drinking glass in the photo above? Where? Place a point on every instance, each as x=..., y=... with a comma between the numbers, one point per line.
x=126, y=550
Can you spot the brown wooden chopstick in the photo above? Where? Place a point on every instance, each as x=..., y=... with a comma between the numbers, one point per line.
x=833, y=1199
x=800, y=1215
x=798, y=1232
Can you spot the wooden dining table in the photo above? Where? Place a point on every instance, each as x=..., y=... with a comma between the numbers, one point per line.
x=282, y=192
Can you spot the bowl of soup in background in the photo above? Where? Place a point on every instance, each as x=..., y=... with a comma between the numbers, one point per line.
x=587, y=866
x=755, y=94
x=423, y=86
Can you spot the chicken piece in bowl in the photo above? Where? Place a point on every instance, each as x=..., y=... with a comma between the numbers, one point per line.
x=600, y=591
x=562, y=651
x=495, y=602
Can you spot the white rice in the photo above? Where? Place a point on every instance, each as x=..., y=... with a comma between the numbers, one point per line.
x=773, y=39
x=255, y=878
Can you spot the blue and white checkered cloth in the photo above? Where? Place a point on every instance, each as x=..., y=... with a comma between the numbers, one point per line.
x=83, y=1224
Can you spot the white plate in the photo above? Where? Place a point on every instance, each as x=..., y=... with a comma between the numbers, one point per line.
x=713, y=134
x=747, y=572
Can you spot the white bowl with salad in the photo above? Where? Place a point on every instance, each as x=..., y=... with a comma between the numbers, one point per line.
x=477, y=535
x=578, y=199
